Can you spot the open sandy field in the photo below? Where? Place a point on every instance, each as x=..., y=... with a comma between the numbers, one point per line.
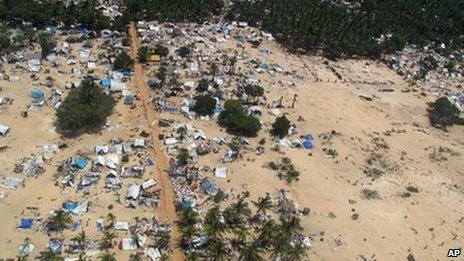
x=347, y=111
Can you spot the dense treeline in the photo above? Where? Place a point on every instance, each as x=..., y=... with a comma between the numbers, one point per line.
x=173, y=10
x=50, y=12
x=310, y=25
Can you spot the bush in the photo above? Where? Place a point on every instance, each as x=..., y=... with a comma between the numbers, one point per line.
x=161, y=73
x=161, y=50
x=59, y=221
x=370, y=194
x=442, y=114
x=84, y=109
x=204, y=105
x=235, y=119
x=203, y=86
x=5, y=40
x=123, y=61
x=184, y=51
x=254, y=90
x=280, y=127
x=142, y=54
x=46, y=45
x=183, y=157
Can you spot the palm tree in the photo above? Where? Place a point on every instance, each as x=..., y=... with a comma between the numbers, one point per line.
x=188, y=225
x=213, y=68
x=242, y=233
x=233, y=62
x=217, y=250
x=291, y=225
x=237, y=212
x=107, y=240
x=111, y=218
x=212, y=223
x=136, y=257
x=266, y=233
x=189, y=233
x=297, y=252
x=59, y=221
x=251, y=252
x=193, y=256
x=80, y=240
x=82, y=257
x=264, y=204
x=188, y=217
x=49, y=255
x=107, y=257
x=135, y=238
x=280, y=246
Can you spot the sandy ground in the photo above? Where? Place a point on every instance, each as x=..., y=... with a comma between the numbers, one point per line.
x=425, y=225
x=40, y=196
x=344, y=225
x=166, y=204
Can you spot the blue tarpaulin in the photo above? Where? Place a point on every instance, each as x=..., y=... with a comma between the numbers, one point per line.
x=186, y=203
x=75, y=226
x=70, y=206
x=37, y=94
x=106, y=83
x=26, y=223
x=308, y=143
x=75, y=208
x=80, y=163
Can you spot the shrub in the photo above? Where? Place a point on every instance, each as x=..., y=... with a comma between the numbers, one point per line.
x=59, y=221
x=204, y=105
x=46, y=45
x=5, y=41
x=161, y=73
x=370, y=194
x=203, y=86
x=184, y=51
x=123, y=61
x=84, y=109
x=254, y=90
x=220, y=196
x=236, y=121
x=442, y=114
x=183, y=157
x=161, y=50
x=280, y=127
x=142, y=54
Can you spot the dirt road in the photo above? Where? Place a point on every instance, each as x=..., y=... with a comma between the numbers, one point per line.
x=166, y=205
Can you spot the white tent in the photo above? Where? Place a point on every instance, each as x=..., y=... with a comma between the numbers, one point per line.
x=4, y=129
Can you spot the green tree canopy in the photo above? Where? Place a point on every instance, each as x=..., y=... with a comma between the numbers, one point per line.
x=46, y=44
x=142, y=54
x=204, y=105
x=234, y=118
x=123, y=61
x=442, y=114
x=84, y=109
x=280, y=127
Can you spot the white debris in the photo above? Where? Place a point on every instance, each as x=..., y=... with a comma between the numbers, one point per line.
x=128, y=244
x=4, y=129
x=12, y=183
x=121, y=225
x=221, y=172
x=133, y=191
x=148, y=184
